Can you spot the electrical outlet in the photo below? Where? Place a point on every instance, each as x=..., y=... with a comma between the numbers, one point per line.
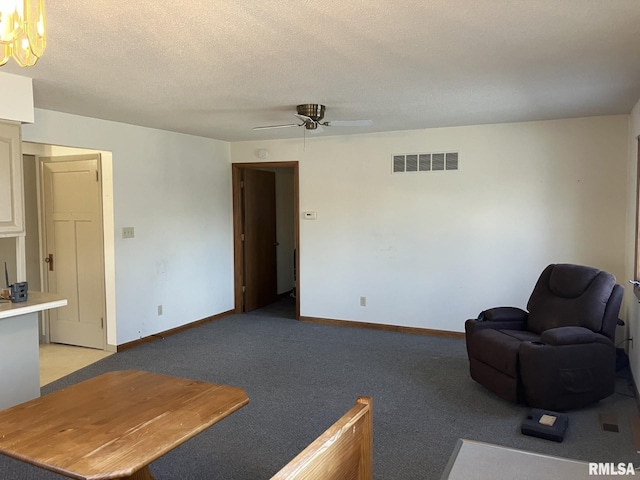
x=128, y=232
x=159, y=310
x=363, y=301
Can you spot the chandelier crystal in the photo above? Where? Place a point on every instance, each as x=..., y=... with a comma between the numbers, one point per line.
x=22, y=31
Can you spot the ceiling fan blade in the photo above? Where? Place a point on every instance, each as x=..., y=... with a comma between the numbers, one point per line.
x=266, y=127
x=348, y=123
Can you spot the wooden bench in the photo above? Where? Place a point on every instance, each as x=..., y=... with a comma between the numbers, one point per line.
x=344, y=451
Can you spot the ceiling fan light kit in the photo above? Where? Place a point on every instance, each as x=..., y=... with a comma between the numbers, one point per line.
x=311, y=116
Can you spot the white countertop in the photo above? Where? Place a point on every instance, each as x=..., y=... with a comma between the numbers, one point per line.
x=36, y=302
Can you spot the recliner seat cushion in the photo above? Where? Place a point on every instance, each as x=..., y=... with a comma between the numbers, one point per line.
x=569, y=295
x=499, y=348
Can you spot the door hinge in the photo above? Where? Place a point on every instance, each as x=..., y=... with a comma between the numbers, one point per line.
x=97, y=176
x=244, y=289
x=241, y=183
x=102, y=323
x=242, y=237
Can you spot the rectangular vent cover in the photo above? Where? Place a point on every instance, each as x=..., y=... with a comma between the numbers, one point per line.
x=425, y=162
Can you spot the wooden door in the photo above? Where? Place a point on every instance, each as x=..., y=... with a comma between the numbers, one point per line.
x=72, y=204
x=259, y=245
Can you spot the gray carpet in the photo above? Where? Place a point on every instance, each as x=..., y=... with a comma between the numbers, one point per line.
x=302, y=377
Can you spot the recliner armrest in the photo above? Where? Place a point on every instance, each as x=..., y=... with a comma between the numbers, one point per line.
x=501, y=314
x=571, y=336
x=503, y=318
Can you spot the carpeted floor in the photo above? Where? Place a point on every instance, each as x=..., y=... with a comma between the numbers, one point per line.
x=302, y=377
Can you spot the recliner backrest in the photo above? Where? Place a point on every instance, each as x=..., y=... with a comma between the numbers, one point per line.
x=570, y=296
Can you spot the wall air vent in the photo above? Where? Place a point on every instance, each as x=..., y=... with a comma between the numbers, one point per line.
x=452, y=161
x=412, y=163
x=425, y=162
x=437, y=162
x=398, y=163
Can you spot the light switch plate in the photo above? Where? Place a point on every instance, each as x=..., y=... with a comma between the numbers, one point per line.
x=127, y=232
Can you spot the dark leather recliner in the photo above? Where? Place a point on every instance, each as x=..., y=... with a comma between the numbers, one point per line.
x=560, y=354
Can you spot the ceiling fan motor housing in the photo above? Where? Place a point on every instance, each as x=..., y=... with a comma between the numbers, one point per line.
x=311, y=110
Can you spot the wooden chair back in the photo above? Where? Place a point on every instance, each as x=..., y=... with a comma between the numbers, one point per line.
x=343, y=452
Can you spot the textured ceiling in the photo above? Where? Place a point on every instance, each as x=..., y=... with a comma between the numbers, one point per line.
x=219, y=68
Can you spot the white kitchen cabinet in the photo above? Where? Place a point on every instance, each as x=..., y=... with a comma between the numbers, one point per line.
x=11, y=189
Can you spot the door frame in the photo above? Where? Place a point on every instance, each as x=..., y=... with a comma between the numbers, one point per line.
x=238, y=260
x=43, y=233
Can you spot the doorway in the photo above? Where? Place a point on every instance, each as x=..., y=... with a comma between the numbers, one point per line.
x=57, y=360
x=37, y=269
x=73, y=248
x=266, y=264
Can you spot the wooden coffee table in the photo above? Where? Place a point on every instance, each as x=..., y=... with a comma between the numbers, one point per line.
x=113, y=425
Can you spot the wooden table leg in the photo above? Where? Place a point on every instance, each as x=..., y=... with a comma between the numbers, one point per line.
x=143, y=474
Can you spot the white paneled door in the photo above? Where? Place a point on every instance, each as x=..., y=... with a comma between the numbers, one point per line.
x=72, y=206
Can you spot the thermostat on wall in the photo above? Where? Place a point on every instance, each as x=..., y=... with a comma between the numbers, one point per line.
x=310, y=215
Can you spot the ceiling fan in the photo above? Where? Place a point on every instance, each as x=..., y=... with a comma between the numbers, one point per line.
x=311, y=115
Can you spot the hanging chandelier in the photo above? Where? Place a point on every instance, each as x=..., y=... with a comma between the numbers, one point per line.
x=22, y=31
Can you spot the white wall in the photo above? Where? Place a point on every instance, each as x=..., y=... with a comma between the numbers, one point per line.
x=16, y=98
x=175, y=190
x=427, y=250
x=8, y=254
x=632, y=306
x=432, y=249
x=32, y=247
